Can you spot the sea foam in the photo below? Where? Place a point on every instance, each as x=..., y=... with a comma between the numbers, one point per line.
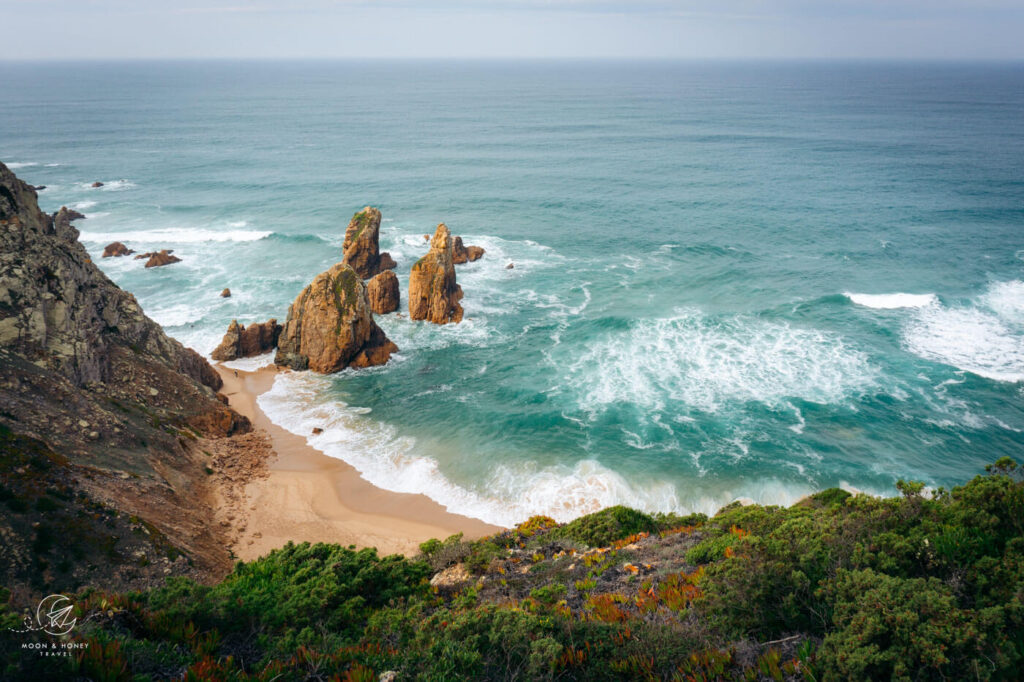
x=892, y=301
x=693, y=360
x=394, y=462
x=985, y=338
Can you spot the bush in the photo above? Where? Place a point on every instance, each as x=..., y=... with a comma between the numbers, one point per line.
x=606, y=526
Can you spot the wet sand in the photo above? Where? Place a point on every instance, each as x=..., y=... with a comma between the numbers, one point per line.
x=309, y=496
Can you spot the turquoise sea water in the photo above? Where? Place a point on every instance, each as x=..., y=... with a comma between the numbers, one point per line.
x=731, y=280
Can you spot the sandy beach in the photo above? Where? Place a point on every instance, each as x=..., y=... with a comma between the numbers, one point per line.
x=308, y=496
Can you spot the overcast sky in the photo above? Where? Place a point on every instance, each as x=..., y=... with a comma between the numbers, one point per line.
x=103, y=29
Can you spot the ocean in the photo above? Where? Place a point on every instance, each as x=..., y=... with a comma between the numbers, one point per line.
x=731, y=280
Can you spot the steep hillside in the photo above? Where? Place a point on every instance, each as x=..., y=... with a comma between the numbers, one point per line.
x=102, y=478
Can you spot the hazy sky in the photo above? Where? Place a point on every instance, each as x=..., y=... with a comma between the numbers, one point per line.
x=100, y=29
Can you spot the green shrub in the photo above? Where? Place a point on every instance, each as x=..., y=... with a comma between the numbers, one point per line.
x=602, y=528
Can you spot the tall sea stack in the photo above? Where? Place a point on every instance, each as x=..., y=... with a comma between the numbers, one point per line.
x=433, y=293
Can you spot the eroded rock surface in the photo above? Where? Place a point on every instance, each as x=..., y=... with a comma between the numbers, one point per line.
x=330, y=326
x=362, y=244
x=465, y=254
x=434, y=294
x=101, y=393
x=247, y=341
x=383, y=292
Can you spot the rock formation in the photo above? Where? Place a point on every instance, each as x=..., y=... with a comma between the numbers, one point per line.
x=383, y=293
x=226, y=293
x=330, y=326
x=246, y=342
x=161, y=258
x=97, y=184
x=86, y=377
x=362, y=245
x=433, y=293
x=116, y=249
x=465, y=254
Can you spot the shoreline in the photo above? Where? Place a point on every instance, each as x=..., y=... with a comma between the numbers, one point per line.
x=307, y=496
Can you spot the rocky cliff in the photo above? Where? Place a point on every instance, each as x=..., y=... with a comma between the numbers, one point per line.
x=330, y=326
x=113, y=404
x=362, y=244
x=433, y=293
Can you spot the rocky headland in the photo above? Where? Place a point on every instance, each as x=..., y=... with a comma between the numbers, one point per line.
x=434, y=294
x=105, y=421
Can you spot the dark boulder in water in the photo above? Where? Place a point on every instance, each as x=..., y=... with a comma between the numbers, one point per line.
x=116, y=250
x=465, y=254
x=226, y=293
x=97, y=184
x=161, y=258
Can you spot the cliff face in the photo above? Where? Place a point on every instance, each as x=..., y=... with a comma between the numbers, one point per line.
x=58, y=310
x=84, y=374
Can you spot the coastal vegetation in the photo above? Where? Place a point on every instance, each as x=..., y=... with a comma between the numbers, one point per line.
x=928, y=585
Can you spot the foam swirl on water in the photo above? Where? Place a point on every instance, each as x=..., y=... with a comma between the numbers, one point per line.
x=700, y=362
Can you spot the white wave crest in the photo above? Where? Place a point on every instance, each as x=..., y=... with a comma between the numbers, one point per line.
x=14, y=165
x=986, y=339
x=700, y=362
x=179, y=235
x=251, y=364
x=892, y=301
x=83, y=205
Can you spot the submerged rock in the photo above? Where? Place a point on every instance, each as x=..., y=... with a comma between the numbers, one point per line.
x=97, y=184
x=362, y=244
x=245, y=342
x=465, y=254
x=330, y=326
x=116, y=249
x=383, y=292
x=434, y=294
x=161, y=258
